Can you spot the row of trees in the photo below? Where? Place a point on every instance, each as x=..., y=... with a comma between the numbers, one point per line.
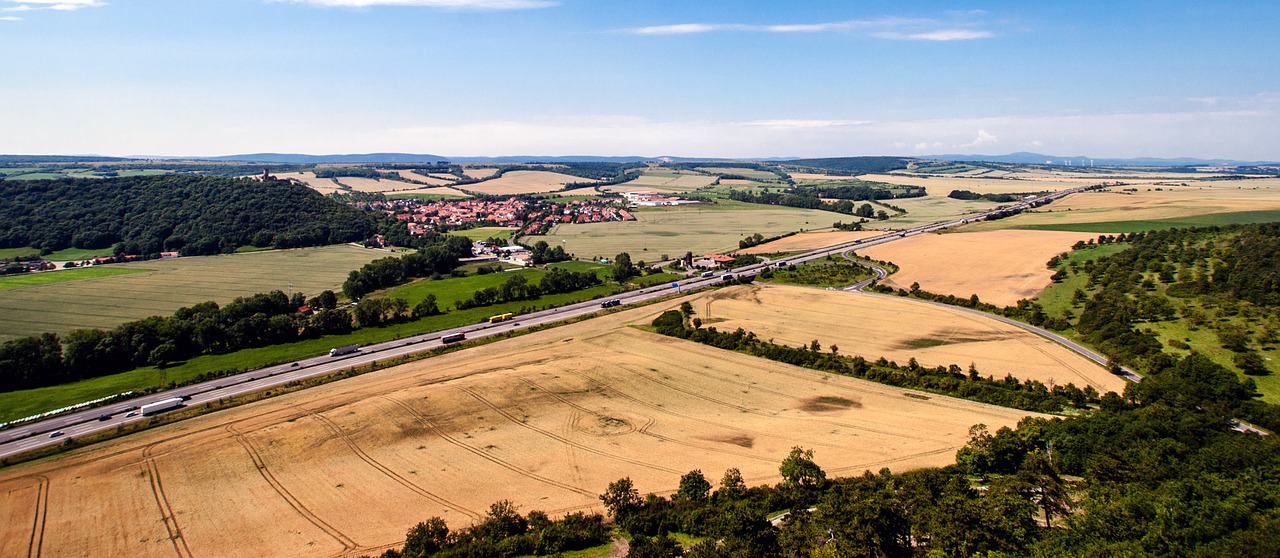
x=504, y=532
x=206, y=328
x=190, y=214
x=517, y=288
x=440, y=257
x=969, y=196
x=950, y=380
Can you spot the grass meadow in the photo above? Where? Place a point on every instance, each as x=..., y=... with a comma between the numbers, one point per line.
x=159, y=287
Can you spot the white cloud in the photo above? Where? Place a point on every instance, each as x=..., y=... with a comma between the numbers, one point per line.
x=10, y=18
x=984, y=138
x=806, y=123
x=63, y=5
x=922, y=146
x=909, y=29
x=444, y=4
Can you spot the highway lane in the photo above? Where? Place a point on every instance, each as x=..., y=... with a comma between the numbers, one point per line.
x=41, y=433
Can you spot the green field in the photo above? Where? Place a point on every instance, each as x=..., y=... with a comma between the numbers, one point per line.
x=1218, y=219
x=48, y=277
x=449, y=291
x=701, y=229
x=64, y=255
x=18, y=404
x=484, y=233
x=105, y=302
x=749, y=173
x=922, y=210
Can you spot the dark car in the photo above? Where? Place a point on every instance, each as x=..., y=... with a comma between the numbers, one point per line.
x=104, y=417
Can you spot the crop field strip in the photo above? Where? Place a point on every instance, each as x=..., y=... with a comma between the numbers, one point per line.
x=524, y=182
x=1012, y=262
x=106, y=302
x=514, y=418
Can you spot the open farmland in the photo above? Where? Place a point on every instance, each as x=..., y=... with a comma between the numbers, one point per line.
x=1001, y=267
x=325, y=186
x=524, y=182
x=434, y=192
x=375, y=185
x=807, y=241
x=898, y=329
x=106, y=302
x=674, y=230
x=664, y=182
x=433, y=180
x=943, y=184
x=480, y=172
x=1212, y=202
x=926, y=209
x=546, y=420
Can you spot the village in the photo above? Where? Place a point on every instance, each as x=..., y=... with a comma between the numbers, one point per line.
x=530, y=217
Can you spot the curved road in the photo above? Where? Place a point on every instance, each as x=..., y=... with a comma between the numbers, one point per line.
x=54, y=430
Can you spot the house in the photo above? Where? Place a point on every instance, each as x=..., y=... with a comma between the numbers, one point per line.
x=711, y=261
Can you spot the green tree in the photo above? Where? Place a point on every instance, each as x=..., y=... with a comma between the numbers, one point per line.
x=623, y=269
x=621, y=498
x=799, y=470
x=694, y=486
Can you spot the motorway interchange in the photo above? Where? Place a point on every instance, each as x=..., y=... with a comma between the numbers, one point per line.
x=55, y=430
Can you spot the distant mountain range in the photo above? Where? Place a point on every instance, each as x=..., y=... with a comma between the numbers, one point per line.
x=1025, y=158
x=1021, y=158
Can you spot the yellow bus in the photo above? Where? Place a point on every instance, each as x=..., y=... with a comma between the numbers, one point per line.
x=501, y=318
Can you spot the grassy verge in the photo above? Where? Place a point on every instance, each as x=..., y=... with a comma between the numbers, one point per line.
x=45, y=278
x=818, y=273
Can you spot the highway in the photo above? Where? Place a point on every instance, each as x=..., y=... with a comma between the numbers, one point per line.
x=54, y=430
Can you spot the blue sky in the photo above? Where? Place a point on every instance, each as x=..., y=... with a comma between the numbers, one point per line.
x=611, y=77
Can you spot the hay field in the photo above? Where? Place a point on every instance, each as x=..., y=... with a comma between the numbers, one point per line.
x=325, y=186
x=1001, y=267
x=434, y=180
x=524, y=182
x=926, y=209
x=479, y=172
x=373, y=185
x=898, y=329
x=1111, y=204
x=546, y=420
x=806, y=241
x=664, y=182
x=942, y=185
x=435, y=191
x=106, y=302
x=698, y=228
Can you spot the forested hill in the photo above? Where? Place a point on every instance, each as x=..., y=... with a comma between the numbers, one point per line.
x=194, y=215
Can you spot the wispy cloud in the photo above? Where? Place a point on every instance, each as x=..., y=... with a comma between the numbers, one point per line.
x=10, y=18
x=495, y=5
x=60, y=5
x=894, y=28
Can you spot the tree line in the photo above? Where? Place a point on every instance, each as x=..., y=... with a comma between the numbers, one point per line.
x=951, y=380
x=517, y=288
x=189, y=214
x=434, y=259
x=970, y=196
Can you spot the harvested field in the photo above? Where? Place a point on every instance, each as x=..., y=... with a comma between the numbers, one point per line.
x=1001, y=267
x=801, y=176
x=927, y=209
x=665, y=183
x=807, y=241
x=433, y=179
x=674, y=230
x=898, y=329
x=479, y=172
x=524, y=182
x=372, y=185
x=325, y=186
x=941, y=185
x=1147, y=204
x=106, y=302
x=546, y=420
x=436, y=191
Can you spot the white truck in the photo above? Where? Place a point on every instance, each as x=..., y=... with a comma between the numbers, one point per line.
x=161, y=406
x=343, y=350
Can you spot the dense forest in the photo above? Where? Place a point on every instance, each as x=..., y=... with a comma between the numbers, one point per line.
x=190, y=214
x=970, y=196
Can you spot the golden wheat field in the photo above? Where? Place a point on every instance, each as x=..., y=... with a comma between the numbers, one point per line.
x=524, y=182
x=1000, y=267
x=325, y=186
x=546, y=420
x=1147, y=203
x=432, y=179
x=898, y=329
x=479, y=172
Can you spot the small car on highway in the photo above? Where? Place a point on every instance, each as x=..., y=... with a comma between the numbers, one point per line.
x=55, y=433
